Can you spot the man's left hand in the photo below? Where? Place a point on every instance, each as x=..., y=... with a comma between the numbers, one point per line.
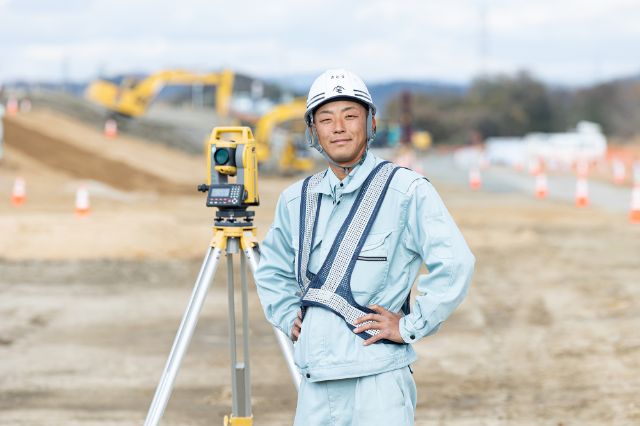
x=386, y=321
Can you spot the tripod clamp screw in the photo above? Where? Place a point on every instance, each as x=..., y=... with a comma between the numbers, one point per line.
x=203, y=187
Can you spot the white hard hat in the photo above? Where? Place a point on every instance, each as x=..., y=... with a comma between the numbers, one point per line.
x=337, y=84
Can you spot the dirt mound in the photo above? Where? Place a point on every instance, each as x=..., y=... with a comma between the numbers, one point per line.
x=144, y=202
x=65, y=144
x=181, y=128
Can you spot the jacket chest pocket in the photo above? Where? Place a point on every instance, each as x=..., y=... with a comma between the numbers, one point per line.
x=371, y=268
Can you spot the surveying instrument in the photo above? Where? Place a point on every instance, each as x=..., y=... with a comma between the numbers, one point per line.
x=231, y=152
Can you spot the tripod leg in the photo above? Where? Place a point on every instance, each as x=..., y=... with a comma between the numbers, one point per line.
x=285, y=343
x=245, y=338
x=183, y=337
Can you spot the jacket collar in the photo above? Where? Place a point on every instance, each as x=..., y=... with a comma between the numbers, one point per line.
x=354, y=180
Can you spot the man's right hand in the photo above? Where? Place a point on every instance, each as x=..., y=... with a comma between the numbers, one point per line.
x=297, y=327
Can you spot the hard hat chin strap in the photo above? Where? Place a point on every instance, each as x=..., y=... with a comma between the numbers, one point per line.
x=313, y=141
x=348, y=168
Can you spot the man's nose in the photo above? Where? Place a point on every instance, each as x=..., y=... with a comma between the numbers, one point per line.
x=339, y=126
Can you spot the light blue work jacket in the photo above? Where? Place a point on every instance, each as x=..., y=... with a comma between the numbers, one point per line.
x=412, y=226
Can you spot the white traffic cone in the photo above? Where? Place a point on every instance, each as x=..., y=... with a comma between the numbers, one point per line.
x=582, y=192
x=19, y=192
x=111, y=128
x=12, y=106
x=636, y=173
x=82, y=202
x=475, y=179
x=619, y=171
x=405, y=157
x=542, y=188
x=634, y=211
x=582, y=168
x=534, y=166
x=25, y=105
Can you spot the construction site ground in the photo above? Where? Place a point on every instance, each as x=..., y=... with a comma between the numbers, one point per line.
x=89, y=306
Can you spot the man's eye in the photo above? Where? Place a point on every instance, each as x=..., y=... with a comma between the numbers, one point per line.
x=325, y=121
x=351, y=116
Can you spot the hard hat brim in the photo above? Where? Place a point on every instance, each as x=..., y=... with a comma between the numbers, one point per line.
x=313, y=110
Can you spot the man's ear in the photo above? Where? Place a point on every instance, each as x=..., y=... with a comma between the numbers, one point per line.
x=373, y=124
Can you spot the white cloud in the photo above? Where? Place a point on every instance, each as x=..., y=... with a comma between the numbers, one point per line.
x=567, y=41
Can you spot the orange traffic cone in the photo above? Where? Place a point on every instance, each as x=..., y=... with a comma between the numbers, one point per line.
x=19, y=193
x=12, y=106
x=542, y=188
x=619, y=171
x=582, y=192
x=82, y=202
x=111, y=128
x=634, y=212
x=475, y=179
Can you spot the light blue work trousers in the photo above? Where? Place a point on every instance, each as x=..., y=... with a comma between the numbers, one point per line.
x=385, y=399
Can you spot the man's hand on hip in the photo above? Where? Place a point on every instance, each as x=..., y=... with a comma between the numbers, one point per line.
x=297, y=327
x=386, y=321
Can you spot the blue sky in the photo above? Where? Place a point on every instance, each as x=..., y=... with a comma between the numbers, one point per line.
x=570, y=42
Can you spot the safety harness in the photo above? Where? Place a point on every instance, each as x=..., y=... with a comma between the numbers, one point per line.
x=330, y=288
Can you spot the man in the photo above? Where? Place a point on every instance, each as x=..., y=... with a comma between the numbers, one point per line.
x=339, y=261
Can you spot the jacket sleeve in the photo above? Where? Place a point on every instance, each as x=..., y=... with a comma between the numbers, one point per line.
x=275, y=276
x=433, y=235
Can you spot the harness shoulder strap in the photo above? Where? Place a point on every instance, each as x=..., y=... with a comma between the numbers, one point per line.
x=309, y=203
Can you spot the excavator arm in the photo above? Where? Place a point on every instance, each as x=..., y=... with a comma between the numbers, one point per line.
x=133, y=99
x=284, y=157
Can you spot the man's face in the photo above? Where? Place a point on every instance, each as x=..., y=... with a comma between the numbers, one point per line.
x=341, y=128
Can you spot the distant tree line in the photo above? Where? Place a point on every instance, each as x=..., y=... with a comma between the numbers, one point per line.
x=514, y=105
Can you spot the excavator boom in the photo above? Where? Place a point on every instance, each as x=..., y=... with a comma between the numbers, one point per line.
x=132, y=98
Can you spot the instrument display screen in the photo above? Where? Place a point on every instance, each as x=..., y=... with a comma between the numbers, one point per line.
x=219, y=192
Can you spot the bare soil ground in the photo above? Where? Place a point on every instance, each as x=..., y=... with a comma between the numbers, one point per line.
x=549, y=335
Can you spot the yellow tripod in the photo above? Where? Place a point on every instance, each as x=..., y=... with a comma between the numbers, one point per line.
x=233, y=233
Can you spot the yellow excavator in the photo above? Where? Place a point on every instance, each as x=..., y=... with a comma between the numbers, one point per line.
x=132, y=96
x=280, y=141
x=281, y=145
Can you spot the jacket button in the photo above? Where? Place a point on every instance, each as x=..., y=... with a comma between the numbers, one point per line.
x=412, y=337
x=308, y=376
